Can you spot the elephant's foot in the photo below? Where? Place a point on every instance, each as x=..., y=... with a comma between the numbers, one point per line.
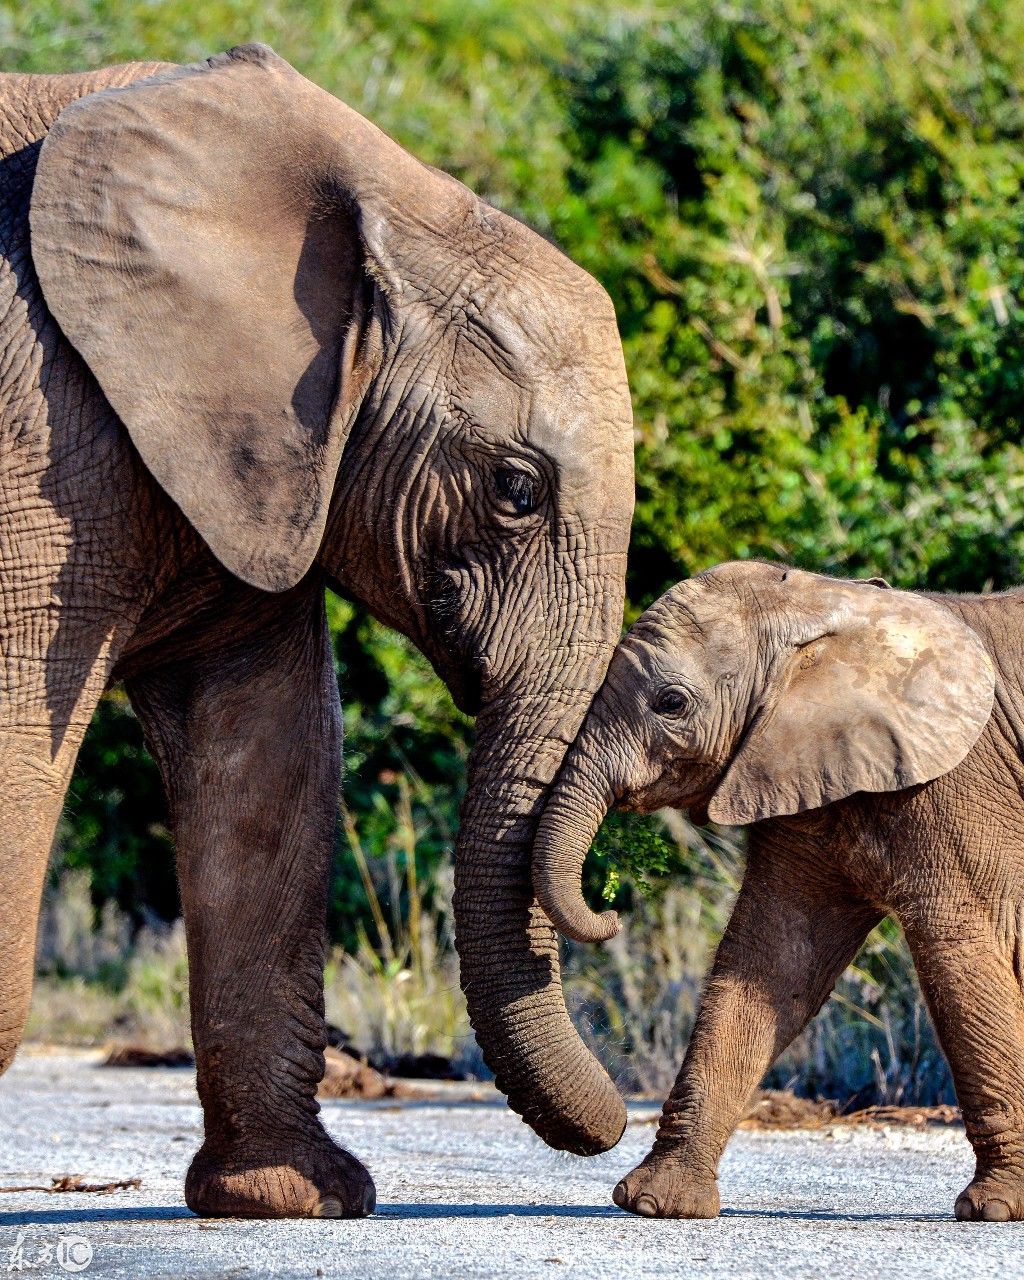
x=666, y=1189
x=317, y=1181
x=996, y=1196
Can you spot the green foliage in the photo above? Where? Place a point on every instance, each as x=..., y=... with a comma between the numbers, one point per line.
x=405, y=753
x=115, y=821
x=809, y=217
x=635, y=847
x=465, y=84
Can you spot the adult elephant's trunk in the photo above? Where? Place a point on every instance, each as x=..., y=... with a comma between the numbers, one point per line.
x=507, y=947
x=576, y=808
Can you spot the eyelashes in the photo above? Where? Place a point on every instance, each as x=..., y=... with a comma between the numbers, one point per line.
x=519, y=489
x=672, y=701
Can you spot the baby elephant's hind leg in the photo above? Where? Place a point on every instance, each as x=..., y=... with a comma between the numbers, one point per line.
x=970, y=980
x=785, y=945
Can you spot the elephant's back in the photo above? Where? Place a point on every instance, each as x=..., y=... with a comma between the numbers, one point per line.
x=29, y=104
x=49, y=402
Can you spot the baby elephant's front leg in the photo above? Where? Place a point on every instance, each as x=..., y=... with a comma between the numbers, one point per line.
x=784, y=948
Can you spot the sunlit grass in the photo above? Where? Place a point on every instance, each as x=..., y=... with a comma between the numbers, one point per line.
x=398, y=994
x=96, y=982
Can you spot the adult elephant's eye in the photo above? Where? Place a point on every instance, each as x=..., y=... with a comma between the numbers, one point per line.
x=671, y=702
x=519, y=489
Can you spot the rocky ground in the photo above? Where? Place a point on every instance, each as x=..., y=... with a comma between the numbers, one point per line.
x=466, y=1190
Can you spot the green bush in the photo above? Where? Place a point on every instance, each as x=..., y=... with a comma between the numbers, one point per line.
x=809, y=216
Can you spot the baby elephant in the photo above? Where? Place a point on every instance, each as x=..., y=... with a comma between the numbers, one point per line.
x=874, y=738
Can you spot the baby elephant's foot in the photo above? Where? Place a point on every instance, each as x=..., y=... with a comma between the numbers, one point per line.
x=318, y=1181
x=992, y=1197
x=666, y=1189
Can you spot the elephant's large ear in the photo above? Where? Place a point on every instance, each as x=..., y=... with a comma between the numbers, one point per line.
x=882, y=690
x=201, y=238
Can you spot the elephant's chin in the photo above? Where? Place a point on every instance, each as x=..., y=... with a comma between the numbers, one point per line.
x=467, y=694
x=463, y=683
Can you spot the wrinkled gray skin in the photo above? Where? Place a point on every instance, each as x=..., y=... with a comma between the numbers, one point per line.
x=875, y=740
x=248, y=348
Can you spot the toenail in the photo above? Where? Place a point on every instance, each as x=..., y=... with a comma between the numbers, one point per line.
x=647, y=1206
x=369, y=1200
x=995, y=1211
x=963, y=1209
x=619, y=1195
x=328, y=1207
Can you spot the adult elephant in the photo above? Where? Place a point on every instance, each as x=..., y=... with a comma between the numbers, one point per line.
x=249, y=347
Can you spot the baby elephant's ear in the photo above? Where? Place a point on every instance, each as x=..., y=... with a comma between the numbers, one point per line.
x=889, y=689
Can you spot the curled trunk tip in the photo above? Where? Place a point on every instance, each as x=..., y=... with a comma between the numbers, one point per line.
x=572, y=816
x=564, y=905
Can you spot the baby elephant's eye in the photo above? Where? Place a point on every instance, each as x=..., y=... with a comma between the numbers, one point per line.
x=671, y=702
x=519, y=489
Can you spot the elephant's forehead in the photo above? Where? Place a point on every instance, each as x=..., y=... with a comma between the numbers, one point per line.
x=568, y=400
x=580, y=410
x=692, y=628
x=542, y=314
x=589, y=431
x=550, y=350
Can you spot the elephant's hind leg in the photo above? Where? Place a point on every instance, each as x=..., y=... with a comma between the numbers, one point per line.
x=969, y=979
x=248, y=737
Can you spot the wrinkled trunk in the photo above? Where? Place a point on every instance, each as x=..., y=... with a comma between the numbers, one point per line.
x=507, y=947
x=576, y=808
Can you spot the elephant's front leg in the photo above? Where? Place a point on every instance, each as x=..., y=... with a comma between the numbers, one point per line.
x=785, y=946
x=249, y=740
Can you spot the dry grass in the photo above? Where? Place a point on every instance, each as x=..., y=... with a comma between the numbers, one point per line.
x=398, y=994
x=388, y=1010
x=96, y=982
x=635, y=1000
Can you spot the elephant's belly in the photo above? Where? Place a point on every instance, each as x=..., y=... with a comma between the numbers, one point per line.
x=945, y=850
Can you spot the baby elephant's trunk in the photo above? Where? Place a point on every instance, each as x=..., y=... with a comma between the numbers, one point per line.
x=579, y=800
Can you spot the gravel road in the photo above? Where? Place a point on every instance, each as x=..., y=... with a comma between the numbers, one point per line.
x=465, y=1189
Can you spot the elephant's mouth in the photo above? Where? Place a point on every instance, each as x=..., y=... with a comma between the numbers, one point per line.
x=446, y=644
x=466, y=689
x=461, y=675
x=691, y=794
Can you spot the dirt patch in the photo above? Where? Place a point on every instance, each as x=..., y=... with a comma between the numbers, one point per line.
x=345, y=1076
x=348, y=1077
x=426, y=1066
x=138, y=1055
x=780, y=1109
x=912, y=1117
